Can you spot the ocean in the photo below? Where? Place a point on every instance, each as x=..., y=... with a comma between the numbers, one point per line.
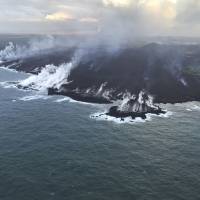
x=51, y=148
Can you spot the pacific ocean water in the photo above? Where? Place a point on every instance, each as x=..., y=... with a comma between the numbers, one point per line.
x=52, y=150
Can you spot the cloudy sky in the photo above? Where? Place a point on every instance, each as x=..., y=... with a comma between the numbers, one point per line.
x=131, y=17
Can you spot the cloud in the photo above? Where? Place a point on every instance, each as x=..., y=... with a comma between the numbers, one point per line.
x=89, y=20
x=117, y=3
x=188, y=11
x=118, y=17
x=134, y=18
x=59, y=16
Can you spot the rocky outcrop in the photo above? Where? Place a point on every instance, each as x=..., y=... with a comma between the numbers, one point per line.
x=169, y=72
x=136, y=106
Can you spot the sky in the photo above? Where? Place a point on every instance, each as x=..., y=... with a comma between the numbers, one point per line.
x=119, y=17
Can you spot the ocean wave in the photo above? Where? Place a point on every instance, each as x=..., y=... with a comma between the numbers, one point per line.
x=190, y=106
x=8, y=84
x=70, y=100
x=195, y=107
x=8, y=69
x=166, y=115
x=34, y=97
x=65, y=99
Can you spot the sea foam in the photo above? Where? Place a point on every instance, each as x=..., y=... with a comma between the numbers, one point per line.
x=8, y=84
x=101, y=116
x=8, y=69
x=34, y=97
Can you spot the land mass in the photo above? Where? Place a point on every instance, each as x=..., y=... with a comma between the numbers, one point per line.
x=171, y=73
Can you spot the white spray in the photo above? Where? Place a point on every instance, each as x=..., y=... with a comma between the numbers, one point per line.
x=50, y=77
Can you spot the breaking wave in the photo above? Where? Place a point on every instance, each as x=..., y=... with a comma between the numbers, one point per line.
x=65, y=99
x=128, y=120
x=70, y=100
x=8, y=84
x=101, y=116
x=196, y=107
x=34, y=97
x=189, y=106
x=8, y=69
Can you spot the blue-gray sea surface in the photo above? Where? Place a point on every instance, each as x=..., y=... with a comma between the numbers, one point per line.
x=52, y=150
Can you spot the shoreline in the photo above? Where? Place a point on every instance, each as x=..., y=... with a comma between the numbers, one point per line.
x=83, y=97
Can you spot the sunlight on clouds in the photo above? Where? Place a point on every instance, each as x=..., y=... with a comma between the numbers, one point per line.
x=127, y=3
x=164, y=16
x=89, y=20
x=169, y=10
x=164, y=8
x=117, y=3
x=159, y=8
x=59, y=16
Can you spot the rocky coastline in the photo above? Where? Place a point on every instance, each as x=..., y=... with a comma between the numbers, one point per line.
x=171, y=73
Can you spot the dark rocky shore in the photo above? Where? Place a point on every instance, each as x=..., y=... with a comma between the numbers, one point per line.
x=114, y=112
x=136, y=106
x=78, y=96
x=171, y=73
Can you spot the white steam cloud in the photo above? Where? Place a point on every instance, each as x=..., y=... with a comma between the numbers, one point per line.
x=50, y=77
x=34, y=47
